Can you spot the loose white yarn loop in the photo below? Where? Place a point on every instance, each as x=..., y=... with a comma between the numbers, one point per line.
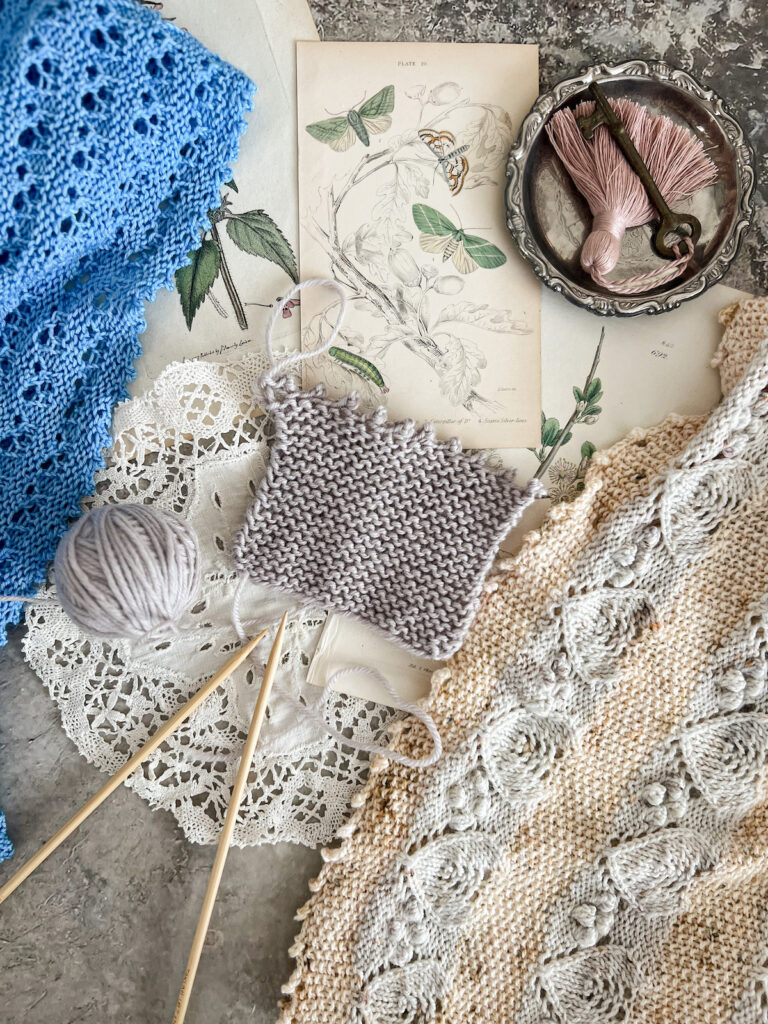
x=279, y=366
x=314, y=711
x=397, y=702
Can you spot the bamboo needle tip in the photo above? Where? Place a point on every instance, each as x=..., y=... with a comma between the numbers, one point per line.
x=253, y=642
x=276, y=646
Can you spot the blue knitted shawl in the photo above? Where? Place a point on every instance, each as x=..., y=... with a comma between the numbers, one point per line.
x=6, y=849
x=117, y=130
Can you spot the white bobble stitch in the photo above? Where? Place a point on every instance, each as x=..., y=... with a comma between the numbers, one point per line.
x=622, y=578
x=654, y=794
x=481, y=807
x=456, y=796
x=584, y=914
x=732, y=680
x=626, y=555
x=652, y=536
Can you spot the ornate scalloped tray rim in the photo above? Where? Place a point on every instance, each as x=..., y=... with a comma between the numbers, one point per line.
x=629, y=305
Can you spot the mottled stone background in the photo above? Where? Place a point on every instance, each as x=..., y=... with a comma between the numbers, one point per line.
x=101, y=932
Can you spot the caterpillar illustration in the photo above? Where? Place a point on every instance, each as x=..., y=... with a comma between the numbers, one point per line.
x=362, y=367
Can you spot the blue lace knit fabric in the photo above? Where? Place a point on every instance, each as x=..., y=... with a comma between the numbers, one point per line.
x=117, y=130
x=6, y=849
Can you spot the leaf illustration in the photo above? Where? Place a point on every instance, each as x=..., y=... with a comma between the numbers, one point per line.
x=406, y=183
x=588, y=450
x=194, y=281
x=370, y=246
x=550, y=430
x=231, y=184
x=489, y=138
x=256, y=233
x=476, y=180
x=501, y=321
x=353, y=340
x=594, y=391
x=462, y=363
x=380, y=344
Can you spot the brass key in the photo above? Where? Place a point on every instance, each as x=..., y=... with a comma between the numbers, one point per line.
x=671, y=222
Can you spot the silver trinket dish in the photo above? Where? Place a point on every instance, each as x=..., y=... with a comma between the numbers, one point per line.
x=550, y=220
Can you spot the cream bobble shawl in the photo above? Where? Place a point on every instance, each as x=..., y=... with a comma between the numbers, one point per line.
x=593, y=845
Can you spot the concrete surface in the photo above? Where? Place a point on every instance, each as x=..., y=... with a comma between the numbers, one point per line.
x=101, y=933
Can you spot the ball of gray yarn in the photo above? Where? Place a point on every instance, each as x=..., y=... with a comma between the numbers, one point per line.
x=127, y=571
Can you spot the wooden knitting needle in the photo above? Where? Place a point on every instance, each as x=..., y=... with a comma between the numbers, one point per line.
x=230, y=820
x=141, y=755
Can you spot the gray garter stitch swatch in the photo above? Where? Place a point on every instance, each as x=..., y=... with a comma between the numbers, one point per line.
x=376, y=520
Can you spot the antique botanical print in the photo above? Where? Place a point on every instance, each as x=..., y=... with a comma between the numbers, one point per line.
x=402, y=152
x=251, y=231
x=245, y=258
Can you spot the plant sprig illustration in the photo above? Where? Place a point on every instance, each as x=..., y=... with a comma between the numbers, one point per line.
x=253, y=232
x=553, y=437
x=372, y=260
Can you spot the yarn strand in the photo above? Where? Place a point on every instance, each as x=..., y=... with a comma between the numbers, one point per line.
x=400, y=705
x=316, y=712
x=278, y=366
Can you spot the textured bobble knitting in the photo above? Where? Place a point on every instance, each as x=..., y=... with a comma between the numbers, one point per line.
x=592, y=848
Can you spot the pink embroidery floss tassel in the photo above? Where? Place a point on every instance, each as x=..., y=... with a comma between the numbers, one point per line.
x=617, y=198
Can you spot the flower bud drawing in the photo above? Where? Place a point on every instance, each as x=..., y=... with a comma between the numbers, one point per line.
x=446, y=92
x=450, y=285
x=405, y=268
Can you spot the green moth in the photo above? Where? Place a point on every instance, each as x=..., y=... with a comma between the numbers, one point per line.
x=371, y=118
x=441, y=236
x=362, y=367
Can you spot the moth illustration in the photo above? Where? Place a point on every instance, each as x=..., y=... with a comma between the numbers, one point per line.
x=359, y=365
x=441, y=236
x=450, y=157
x=371, y=118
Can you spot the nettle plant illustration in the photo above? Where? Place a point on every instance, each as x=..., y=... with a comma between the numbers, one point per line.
x=253, y=232
x=565, y=478
x=371, y=256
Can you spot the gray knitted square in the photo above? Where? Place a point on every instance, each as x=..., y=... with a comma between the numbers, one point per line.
x=377, y=520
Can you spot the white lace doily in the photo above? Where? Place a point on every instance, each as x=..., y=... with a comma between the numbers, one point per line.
x=195, y=445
